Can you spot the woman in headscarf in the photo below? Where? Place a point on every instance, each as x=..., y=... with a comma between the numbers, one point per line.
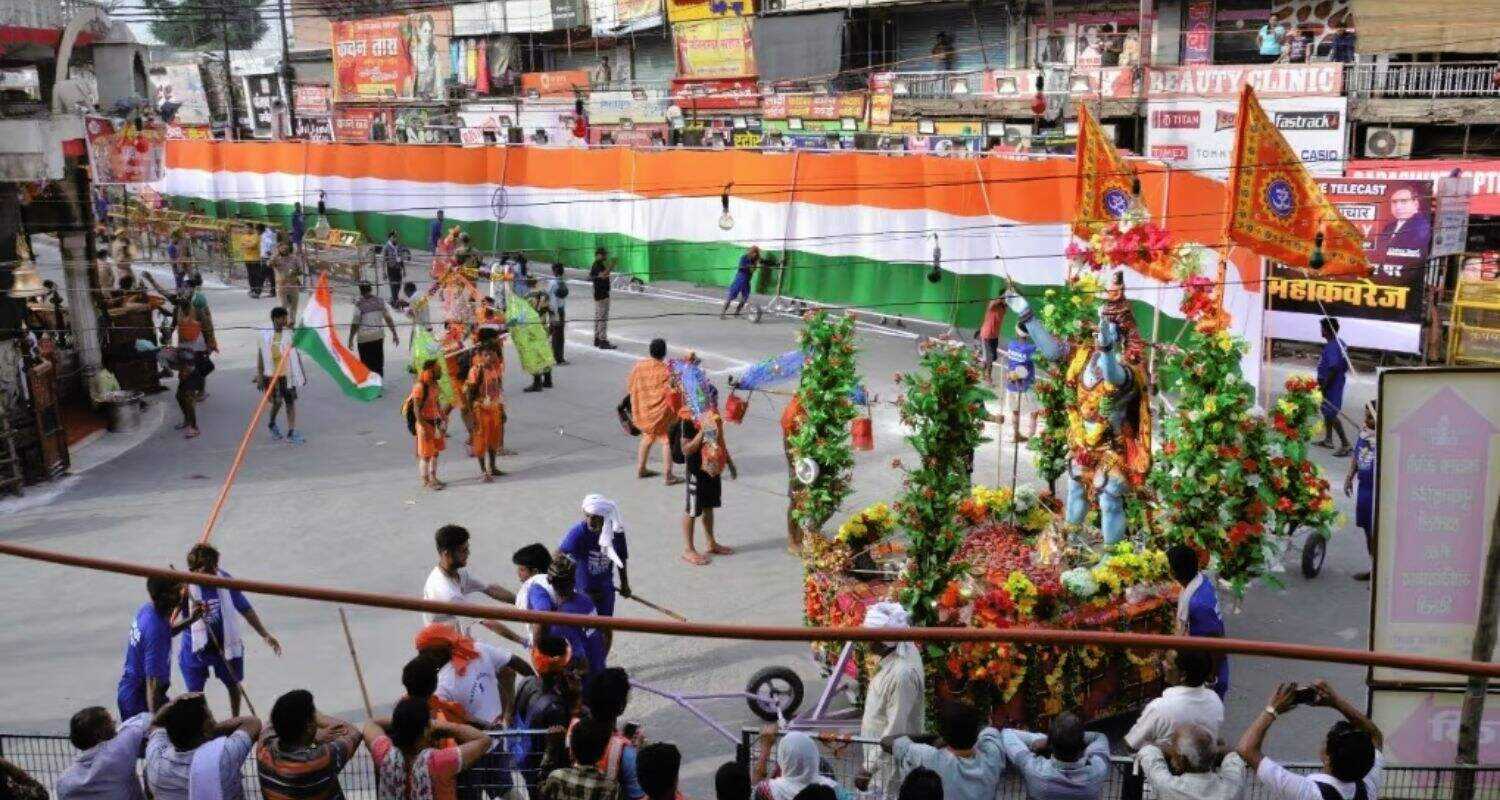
x=1362, y=472
x=798, y=763
x=409, y=764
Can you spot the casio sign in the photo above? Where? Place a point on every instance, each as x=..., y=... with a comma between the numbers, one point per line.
x=1307, y=120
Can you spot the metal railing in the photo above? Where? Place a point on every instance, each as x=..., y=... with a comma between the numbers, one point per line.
x=45, y=757
x=938, y=85
x=843, y=756
x=1417, y=81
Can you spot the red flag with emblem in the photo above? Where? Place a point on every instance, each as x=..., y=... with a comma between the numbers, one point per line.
x=1277, y=209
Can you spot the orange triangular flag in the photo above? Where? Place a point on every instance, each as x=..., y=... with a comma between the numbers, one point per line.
x=1276, y=208
x=1105, y=183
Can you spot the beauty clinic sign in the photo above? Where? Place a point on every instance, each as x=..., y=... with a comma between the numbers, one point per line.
x=1269, y=80
x=1437, y=480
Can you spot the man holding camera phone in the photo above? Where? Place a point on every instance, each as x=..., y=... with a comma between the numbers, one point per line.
x=1351, y=757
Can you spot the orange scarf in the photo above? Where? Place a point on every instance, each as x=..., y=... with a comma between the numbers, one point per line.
x=460, y=647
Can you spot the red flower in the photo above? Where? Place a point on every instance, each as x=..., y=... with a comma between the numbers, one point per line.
x=1283, y=504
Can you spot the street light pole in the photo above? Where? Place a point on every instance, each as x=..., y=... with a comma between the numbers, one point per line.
x=288, y=75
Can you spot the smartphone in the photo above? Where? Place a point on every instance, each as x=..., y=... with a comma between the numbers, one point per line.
x=1306, y=695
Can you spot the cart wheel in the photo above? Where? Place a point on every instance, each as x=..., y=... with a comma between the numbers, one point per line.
x=1314, y=552
x=756, y=312
x=774, y=689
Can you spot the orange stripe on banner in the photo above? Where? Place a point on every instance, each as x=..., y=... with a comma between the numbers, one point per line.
x=1039, y=191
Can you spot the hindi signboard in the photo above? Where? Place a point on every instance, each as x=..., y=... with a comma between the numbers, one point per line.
x=1437, y=478
x=715, y=48
x=1383, y=311
x=1422, y=728
x=401, y=57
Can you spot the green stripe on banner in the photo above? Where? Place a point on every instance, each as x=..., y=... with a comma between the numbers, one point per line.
x=887, y=287
x=309, y=342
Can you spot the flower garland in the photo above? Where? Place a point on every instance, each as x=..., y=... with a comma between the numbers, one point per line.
x=828, y=380
x=944, y=408
x=1067, y=312
x=867, y=527
x=1303, y=493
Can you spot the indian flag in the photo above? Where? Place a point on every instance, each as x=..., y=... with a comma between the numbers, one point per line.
x=316, y=338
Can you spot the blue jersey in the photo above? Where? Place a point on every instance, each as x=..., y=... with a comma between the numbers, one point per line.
x=747, y=265
x=1364, y=477
x=595, y=571
x=1332, y=368
x=1203, y=617
x=148, y=653
x=585, y=641
x=213, y=615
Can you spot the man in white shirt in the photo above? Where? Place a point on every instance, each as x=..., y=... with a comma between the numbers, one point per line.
x=450, y=582
x=1190, y=767
x=896, y=700
x=1191, y=702
x=1352, y=762
x=191, y=757
x=105, y=767
x=970, y=761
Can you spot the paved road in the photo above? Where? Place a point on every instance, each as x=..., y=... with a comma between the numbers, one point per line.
x=345, y=510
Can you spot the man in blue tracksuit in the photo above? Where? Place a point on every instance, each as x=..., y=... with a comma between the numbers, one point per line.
x=740, y=286
x=1333, y=367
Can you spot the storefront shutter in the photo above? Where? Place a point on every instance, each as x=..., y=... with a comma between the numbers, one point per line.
x=916, y=32
x=655, y=60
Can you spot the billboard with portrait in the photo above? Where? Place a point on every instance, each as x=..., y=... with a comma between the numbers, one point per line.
x=401, y=57
x=1384, y=310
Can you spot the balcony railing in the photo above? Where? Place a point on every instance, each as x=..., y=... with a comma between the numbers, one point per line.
x=938, y=85
x=1418, y=81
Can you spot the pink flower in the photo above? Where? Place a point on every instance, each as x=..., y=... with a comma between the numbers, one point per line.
x=1075, y=251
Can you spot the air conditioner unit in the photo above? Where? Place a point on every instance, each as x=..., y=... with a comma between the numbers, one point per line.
x=1388, y=142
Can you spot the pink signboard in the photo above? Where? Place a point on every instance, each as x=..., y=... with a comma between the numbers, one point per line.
x=1422, y=728
x=1436, y=478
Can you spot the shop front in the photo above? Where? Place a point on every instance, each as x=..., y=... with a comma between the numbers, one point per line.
x=636, y=118
x=259, y=83
x=314, y=107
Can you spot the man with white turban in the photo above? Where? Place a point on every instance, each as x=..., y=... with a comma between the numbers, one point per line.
x=597, y=546
x=896, y=701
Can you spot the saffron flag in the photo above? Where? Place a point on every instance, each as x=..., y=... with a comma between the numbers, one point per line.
x=316, y=338
x=1105, y=184
x=1276, y=208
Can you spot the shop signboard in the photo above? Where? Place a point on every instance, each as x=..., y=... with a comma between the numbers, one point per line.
x=814, y=106
x=1204, y=82
x=715, y=48
x=561, y=83
x=1484, y=172
x=635, y=136
x=399, y=57
x=1383, y=311
x=311, y=98
x=694, y=10
x=182, y=84
x=502, y=16
x=1199, y=134
x=613, y=107
x=261, y=94
x=1450, y=215
x=882, y=97
x=566, y=14
x=190, y=133
x=315, y=128
x=728, y=94
x=625, y=16
x=356, y=124
x=1437, y=477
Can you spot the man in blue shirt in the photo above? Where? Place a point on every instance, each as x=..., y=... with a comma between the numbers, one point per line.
x=298, y=226
x=214, y=641
x=740, y=286
x=597, y=546
x=435, y=231
x=1198, y=606
x=1020, y=374
x=148, y=653
x=561, y=595
x=1333, y=367
x=1078, y=765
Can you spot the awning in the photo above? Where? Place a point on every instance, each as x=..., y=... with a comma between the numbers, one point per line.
x=1430, y=26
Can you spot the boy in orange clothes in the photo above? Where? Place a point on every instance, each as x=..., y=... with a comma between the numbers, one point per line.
x=651, y=392
x=487, y=403
x=430, y=423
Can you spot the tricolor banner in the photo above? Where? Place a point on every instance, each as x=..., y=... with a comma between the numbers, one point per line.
x=316, y=338
x=855, y=228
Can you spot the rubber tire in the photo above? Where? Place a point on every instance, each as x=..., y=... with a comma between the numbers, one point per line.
x=1314, y=553
x=765, y=676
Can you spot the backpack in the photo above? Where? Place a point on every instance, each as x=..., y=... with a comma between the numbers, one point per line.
x=562, y=290
x=623, y=412
x=1330, y=793
x=409, y=413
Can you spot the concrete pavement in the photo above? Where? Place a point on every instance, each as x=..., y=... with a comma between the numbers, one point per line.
x=346, y=510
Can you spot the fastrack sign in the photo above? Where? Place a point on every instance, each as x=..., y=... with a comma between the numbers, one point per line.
x=1269, y=80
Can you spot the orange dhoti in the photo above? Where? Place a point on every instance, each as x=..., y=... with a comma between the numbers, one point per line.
x=650, y=387
x=430, y=439
x=489, y=428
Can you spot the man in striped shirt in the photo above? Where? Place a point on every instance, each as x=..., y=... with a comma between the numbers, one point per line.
x=301, y=756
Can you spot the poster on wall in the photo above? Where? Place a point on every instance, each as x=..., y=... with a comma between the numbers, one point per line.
x=561, y=83
x=1383, y=311
x=359, y=124
x=261, y=93
x=312, y=98
x=1199, y=134
x=315, y=128
x=1437, y=479
x=401, y=57
x=181, y=84
x=693, y=10
x=1421, y=727
x=1484, y=173
x=124, y=155
x=715, y=48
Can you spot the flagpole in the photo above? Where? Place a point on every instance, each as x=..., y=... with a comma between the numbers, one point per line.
x=239, y=454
